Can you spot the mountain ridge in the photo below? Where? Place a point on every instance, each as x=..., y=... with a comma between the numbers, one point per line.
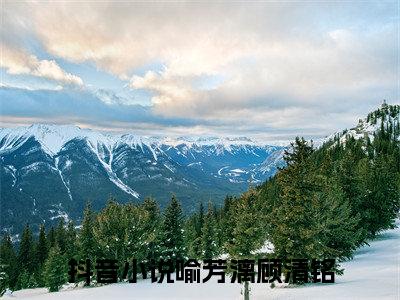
x=385, y=115
x=61, y=134
x=50, y=171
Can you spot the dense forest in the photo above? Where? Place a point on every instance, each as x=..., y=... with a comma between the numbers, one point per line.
x=326, y=202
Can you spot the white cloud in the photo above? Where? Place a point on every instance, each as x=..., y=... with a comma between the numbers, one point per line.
x=18, y=62
x=281, y=65
x=294, y=73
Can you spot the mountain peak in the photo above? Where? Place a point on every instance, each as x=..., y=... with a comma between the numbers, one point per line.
x=385, y=115
x=53, y=137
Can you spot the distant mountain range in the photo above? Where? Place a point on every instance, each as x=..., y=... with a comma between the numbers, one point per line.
x=51, y=171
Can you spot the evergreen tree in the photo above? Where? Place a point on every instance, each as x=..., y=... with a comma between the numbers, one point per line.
x=123, y=232
x=110, y=231
x=141, y=231
x=380, y=200
x=26, y=253
x=61, y=235
x=198, y=244
x=87, y=243
x=151, y=206
x=51, y=238
x=208, y=236
x=4, y=279
x=193, y=233
x=41, y=255
x=26, y=281
x=292, y=212
x=8, y=262
x=71, y=243
x=41, y=247
x=172, y=242
x=246, y=231
x=153, y=227
x=23, y=281
x=227, y=222
x=312, y=219
x=200, y=219
x=191, y=238
x=336, y=229
x=55, y=273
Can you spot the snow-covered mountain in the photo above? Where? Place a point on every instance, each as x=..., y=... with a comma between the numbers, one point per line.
x=384, y=117
x=54, y=137
x=50, y=171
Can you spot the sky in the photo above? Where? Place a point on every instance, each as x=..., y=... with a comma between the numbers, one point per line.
x=262, y=69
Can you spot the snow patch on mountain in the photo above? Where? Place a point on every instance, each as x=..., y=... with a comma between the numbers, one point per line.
x=370, y=125
x=53, y=137
x=169, y=168
x=217, y=145
x=128, y=159
x=238, y=171
x=112, y=176
x=57, y=160
x=13, y=172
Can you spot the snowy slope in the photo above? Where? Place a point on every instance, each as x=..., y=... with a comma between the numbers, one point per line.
x=232, y=154
x=54, y=137
x=370, y=125
x=373, y=274
x=49, y=168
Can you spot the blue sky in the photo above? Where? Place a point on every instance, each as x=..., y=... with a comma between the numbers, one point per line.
x=271, y=70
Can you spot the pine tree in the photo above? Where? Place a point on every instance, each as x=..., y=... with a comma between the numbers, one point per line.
x=23, y=280
x=110, y=231
x=172, y=242
x=336, y=231
x=4, y=278
x=380, y=199
x=153, y=227
x=312, y=218
x=26, y=281
x=41, y=247
x=61, y=235
x=191, y=238
x=227, y=222
x=247, y=233
x=87, y=244
x=71, y=243
x=26, y=253
x=55, y=273
x=246, y=230
x=291, y=222
x=193, y=233
x=51, y=238
x=347, y=176
x=151, y=206
x=200, y=219
x=140, y=231
x=41, y=255
x=208, y=235
x=8, y=262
